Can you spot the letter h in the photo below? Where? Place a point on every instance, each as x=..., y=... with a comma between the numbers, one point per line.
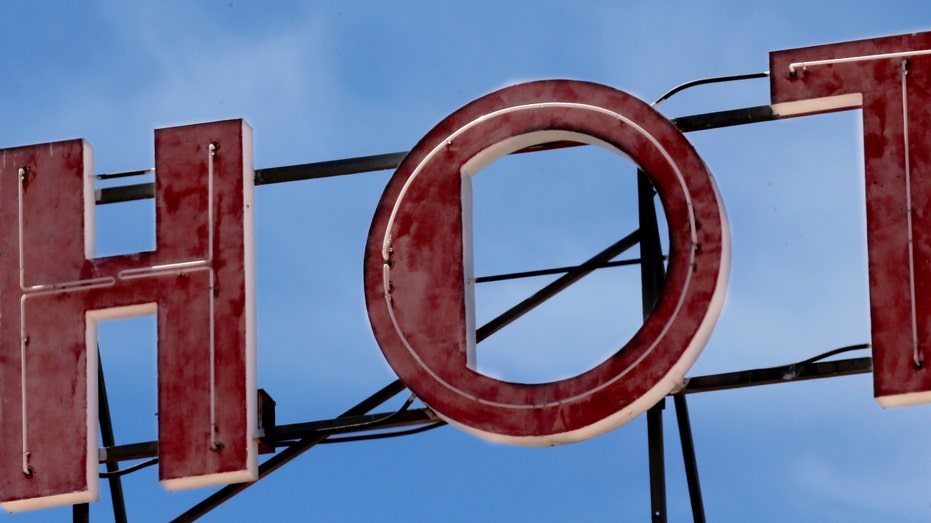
x=199, y=282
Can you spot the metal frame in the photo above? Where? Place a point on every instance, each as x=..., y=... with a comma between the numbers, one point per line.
x=297, y=438
x=358, y=423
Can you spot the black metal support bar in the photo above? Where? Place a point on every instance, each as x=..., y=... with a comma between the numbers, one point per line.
x=555, y=270
x=125, y=193
x=384, y=394
x=108, y=440
x=652, y=271
x=129, y=452
x=81, y=513
x=309, y=171
x=782, y=374
x=657, y=462
x=380, y=162
x=555, y=287
x=730, y=118
x=689, y=459
x=652, y=276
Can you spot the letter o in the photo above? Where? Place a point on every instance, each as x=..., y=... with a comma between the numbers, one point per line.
x=418, y=276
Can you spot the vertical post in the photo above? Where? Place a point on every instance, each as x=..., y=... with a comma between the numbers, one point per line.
x=108, y=440
x=652, y=274
x=81, y=513
x=657, y=463
x=688, y=457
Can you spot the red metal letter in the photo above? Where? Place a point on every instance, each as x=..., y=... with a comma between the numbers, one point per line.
x=418, y=276
x=890, y=78
x=53, y=291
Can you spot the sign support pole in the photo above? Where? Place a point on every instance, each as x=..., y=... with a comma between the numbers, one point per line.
x=651, y=282
x=688, y=457
x=107, y=438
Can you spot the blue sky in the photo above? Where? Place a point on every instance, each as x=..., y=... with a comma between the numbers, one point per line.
x=326, y=81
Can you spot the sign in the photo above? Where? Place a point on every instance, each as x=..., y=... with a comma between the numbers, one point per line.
x=199, y=282
x=890, y=80
x=418, y=266
x=418, y=276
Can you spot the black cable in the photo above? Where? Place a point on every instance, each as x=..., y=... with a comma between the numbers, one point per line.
x=828, y=354
x=127, y=470
x=384, y=435
x=704, y=81
x=380, y=421
x=365, y=425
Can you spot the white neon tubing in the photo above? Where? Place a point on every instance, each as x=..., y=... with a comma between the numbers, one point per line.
x=908, y=216
x=902, y=54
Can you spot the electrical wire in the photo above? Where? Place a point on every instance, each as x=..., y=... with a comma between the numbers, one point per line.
x=828, y=354
x=705, y=81
x=366, y=425
x=384, y=419
x=385, y=435
x=431, y=426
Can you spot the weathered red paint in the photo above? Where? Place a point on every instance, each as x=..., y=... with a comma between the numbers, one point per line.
x=425, y=324
x=894, y=93
x=65, y=291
